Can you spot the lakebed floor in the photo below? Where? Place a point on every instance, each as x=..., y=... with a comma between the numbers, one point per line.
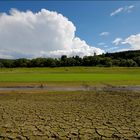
x=77, y=115
x=134, y=88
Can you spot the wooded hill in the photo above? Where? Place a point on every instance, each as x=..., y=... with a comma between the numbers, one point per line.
x=122, y=59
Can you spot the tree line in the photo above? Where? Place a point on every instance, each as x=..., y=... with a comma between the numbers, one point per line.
x=122, y=59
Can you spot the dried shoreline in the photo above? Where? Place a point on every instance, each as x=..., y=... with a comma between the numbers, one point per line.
x=70, y=88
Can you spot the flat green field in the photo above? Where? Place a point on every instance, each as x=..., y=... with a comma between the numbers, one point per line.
x=72, y=75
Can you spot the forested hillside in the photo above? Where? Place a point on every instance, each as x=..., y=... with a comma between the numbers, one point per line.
x=122, y=59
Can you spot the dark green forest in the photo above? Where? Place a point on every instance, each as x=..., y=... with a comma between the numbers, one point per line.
x=122, y=59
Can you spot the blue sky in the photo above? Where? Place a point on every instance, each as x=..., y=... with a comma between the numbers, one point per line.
x=91, y=19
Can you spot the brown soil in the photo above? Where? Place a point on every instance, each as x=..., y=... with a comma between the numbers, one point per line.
x=70, y=116
x=75, y=88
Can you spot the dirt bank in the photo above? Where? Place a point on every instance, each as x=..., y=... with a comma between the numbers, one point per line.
x=78, y=88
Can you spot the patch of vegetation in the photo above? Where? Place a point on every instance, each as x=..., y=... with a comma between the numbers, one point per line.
x=63, y=75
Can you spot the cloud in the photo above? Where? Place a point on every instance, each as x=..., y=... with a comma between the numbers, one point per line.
x=104, y=34
x=82, y=50
x=117, y=41
x=42, y=34
x=116, y=11
x=133, y=41
x=122, y=9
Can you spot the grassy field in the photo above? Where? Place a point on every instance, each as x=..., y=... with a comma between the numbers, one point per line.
x=72, y=76
x=69, y=116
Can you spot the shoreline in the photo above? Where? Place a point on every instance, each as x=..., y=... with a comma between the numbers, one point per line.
x=135, y=88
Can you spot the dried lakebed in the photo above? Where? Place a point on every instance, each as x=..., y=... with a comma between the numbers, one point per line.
x=78, y=88
x=80, y=115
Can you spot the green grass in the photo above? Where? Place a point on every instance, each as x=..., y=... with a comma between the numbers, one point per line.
x=93, y=75
x=128, y=70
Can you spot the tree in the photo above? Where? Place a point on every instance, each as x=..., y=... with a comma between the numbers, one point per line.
x=1, y=65
x=63, y=58
x=137, y=60
x=22, y=62
x=8, y=63
x=131, y=63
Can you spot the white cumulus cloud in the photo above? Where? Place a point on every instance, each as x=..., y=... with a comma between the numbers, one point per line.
x=122, y=9
x=42, y=34
x=133, y=41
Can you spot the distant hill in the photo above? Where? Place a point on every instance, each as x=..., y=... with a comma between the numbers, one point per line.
x=124, y=54
x=122, y=59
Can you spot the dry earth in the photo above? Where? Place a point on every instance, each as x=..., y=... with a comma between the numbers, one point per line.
x=69, y=115
x=135, y=88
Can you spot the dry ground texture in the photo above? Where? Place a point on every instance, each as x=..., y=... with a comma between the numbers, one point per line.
x=73, y=116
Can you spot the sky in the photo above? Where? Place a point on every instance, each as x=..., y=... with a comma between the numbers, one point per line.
x=54, y=28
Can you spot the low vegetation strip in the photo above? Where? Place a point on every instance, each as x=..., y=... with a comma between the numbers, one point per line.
x=78, y=75
x=63, y=70
x=68, y=77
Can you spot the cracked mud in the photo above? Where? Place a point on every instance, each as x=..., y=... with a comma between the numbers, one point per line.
x=70, y=116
